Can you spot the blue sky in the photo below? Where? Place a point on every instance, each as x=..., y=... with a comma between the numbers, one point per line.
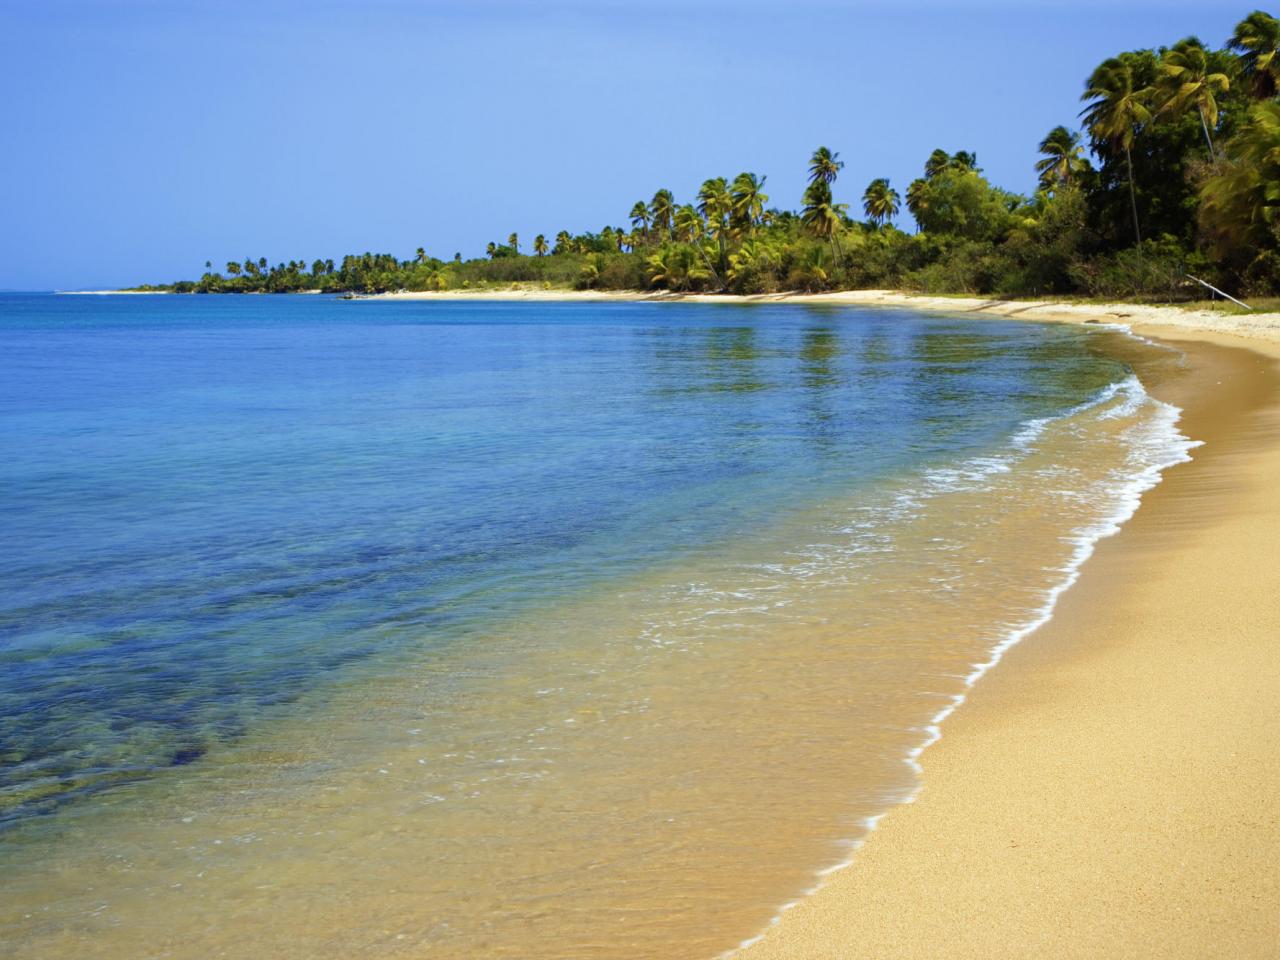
x=143, y=137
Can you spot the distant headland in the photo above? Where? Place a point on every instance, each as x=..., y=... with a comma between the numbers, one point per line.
x=1186, y=140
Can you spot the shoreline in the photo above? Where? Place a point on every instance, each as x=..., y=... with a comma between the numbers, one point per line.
x=1265, y=326
x=1260, y=325
x=1218, y=423
x=1009, y=846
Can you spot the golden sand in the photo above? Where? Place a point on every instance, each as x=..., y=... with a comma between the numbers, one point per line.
x=1110, y=789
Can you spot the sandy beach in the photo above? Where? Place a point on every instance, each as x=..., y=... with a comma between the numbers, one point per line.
x=1109, y=789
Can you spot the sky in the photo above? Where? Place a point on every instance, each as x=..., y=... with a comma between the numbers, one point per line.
x=141, y=138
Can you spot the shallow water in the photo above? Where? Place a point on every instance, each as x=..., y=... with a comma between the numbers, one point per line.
x=334, y=629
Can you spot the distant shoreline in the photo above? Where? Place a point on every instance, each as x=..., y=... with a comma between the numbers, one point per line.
x=1257, y=326
x=1263, y=326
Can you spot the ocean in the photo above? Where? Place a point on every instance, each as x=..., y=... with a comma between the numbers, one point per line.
x=538, y=630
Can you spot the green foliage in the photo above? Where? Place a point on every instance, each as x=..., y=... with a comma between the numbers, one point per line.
x=1257, y=38
x=880, y=202
x=1063, y=163
x=960, y=202
x=677, y=267
x=1187, y=146
x=1155, y=269
x=1240, y=209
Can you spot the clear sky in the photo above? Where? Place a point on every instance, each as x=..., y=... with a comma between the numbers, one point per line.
x=140, y=138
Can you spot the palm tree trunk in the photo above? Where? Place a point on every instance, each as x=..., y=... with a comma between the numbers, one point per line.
x=707, y=261
x=1133, y=196
x=1204, y=125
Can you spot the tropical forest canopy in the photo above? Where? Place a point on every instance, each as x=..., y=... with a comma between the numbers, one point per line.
x=1172, y=168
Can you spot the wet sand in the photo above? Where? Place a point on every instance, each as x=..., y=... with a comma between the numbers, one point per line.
x=1110, y=788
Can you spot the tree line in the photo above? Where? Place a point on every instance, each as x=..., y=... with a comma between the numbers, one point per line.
x=1174, y=170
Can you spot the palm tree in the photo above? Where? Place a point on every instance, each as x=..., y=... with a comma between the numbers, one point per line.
x=964, y=160
x=513, y=242
x=688, y=224
x=751, y=260
x=1257, y=37
x=563, y=242
x=233, y=268
x=1063, y=158
x=747, y=199
x=676, y=268
x=540, y=245
x=810, y=270
x=662, y=211
x=825, y=166
x=823, y=217
x=640, y=218
x=715, y=202
x=1240, y=204
x=691, y=228
x=938, y=161
x=1186, y=80
x=422, y=255
x=880, y=202
x=1114, y=113
x=918, y=199
x=491, y=249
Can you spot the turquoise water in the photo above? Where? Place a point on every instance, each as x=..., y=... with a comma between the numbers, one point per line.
x=212, y=507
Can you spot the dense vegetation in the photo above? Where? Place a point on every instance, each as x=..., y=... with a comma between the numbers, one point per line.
x=1185, y=180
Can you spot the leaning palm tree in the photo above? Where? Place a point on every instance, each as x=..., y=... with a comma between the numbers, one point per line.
x=822, y=216
x=540, y=245
x=1114, y=113
x=662, y=212
x=1257, y=38
x=1240, y=204
x=1063, y=158
x=747, y=200
x=880, y=202
x=689, y=224
x=825, y=166
x=1186, y=80
x=640, y=218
